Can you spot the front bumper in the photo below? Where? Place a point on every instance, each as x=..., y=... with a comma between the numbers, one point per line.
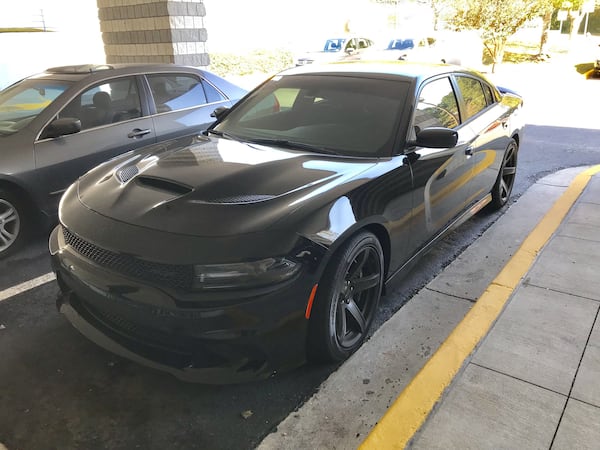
x=243, y=338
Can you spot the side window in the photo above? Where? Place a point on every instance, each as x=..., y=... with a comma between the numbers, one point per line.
x=212, y=94
x=172, y=92
x=489, y=95
x=437, y=106
x=351, y=44
x=111, y=102
x=473, y=96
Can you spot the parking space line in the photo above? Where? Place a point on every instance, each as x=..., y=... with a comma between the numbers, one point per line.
x=26, y=286
x=414, y=404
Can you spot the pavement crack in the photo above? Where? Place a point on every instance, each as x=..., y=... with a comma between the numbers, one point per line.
x=452, y=295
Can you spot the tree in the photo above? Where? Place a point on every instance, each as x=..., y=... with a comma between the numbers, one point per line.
x=496, y=20
x=575, y=8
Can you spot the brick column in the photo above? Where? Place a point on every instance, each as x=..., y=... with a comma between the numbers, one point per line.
x=163, y=31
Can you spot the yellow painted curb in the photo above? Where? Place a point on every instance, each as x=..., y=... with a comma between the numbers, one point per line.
x=415, y=402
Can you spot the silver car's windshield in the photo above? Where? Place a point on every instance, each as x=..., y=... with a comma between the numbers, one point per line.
x=24, y=101
x=343, y=114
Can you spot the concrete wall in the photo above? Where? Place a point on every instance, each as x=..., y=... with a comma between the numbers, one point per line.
x=168, y=31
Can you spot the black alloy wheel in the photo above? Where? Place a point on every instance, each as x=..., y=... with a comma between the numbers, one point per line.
x=506, y=177
x=347, y=300
x=11, y=223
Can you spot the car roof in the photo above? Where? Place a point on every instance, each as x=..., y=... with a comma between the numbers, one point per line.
x=400, y=69
x=98, y=71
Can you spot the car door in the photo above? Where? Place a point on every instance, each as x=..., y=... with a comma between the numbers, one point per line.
x=483, y=114
x=441, y=176
x=113, y=121
x=183, y=103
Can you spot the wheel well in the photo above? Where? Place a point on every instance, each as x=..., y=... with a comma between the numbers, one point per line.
x=384, y=239
x=516, y=138
x=19, y=192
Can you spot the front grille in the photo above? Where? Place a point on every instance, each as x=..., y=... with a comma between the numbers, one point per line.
x=177, y=276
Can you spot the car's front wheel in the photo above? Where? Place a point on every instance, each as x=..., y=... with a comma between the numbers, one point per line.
x=347, y=299
x=12, y=227
x=506, y=177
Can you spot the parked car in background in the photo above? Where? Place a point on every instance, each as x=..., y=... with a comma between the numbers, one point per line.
x=405, y=48
x=56, y=125
x=337, y=49
x=268, y=242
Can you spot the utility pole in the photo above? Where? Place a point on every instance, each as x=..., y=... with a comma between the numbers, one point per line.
x=43, y=20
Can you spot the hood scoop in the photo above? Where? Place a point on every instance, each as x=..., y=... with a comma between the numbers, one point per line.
x=241, y=199
x=127, y=174
x=163, y=185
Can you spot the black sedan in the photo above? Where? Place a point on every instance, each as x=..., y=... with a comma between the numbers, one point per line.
x=269, y=241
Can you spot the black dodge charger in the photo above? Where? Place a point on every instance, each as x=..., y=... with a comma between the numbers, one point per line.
x=269, y=241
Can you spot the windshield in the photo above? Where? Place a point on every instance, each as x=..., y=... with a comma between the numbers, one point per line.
x=334, y=45
x=342, y=114
x=24, y=101
x=401, y=44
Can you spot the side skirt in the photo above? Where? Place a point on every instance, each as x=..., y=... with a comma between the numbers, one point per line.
x=408, y=265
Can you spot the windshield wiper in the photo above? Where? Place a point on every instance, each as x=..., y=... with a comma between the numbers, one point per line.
x=293, y=145
x=223, y=135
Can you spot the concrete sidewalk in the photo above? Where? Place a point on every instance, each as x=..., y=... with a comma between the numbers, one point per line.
x=534, y=382
x=501, y=350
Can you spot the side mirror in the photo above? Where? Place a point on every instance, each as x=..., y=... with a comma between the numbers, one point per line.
x=435, y=137
x=218, y=112
x=62, y=127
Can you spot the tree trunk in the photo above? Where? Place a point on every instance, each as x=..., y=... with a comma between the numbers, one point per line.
x=498, y=52
x=546, y=19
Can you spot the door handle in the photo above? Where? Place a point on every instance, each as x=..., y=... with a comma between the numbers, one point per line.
x=469, y=151
x=137, y=133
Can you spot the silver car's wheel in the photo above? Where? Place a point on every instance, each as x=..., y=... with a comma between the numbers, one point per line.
x=10, y=224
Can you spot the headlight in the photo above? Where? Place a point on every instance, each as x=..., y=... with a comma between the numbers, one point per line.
x=244, y=275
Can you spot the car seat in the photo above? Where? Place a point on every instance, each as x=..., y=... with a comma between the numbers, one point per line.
x=102, y=108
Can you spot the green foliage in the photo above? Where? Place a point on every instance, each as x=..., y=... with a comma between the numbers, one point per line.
x=21, y=30
x=260, y=61
x=496, y=20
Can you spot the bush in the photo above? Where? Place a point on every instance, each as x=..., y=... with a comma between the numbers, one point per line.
x=257, y=61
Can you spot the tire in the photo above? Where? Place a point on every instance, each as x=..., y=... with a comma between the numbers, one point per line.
x=347, y=300
x=12, y=223
x=506, y=177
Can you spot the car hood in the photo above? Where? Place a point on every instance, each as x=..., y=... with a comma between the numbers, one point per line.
x=214, y=187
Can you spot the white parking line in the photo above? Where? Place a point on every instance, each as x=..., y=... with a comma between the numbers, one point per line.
x=26, y=286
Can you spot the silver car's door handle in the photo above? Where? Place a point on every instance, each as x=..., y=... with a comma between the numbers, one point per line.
x=469, y=151
x=137, y=133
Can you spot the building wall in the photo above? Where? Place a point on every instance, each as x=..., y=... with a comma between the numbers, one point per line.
x=167, y=31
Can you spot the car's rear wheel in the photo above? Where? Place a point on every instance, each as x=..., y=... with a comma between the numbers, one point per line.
x=347, y=300
x=12, y=223
x=506, y=177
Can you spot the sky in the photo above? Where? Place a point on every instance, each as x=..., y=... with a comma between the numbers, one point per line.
x=57, y=14
x=74, y=41
x=233, y=26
